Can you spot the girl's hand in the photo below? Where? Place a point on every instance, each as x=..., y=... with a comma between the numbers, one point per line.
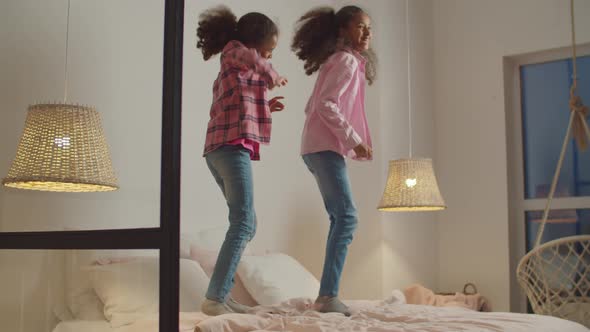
x=363, y=151
x=281, y=81
x=275, y=105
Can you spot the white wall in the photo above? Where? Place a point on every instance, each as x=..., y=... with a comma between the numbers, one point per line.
x=470, y=40
x=29, y=289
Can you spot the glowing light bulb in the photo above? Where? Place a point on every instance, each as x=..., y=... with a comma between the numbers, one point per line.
x=62, y=142
x=411, y=182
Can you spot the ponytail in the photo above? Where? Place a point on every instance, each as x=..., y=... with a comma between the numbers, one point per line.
x=217, y=26
x=316, y=36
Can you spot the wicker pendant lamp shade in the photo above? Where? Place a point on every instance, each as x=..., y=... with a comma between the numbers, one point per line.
x=411, y=186
x=62, y=149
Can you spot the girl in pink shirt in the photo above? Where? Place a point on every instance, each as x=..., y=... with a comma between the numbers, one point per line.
x=337, y=45
x=240, y=120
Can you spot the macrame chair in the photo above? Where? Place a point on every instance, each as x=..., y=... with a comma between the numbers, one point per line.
x=556, y=275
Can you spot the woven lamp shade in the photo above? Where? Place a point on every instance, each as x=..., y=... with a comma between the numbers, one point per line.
x=62, y=149
x=411, y=186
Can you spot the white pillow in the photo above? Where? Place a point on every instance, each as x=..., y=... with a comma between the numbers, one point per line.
x=130, y=290
x=81, y=299
x=79, y=294
x=274, y=278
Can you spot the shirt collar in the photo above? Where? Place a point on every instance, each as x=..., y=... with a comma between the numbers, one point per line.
x=354, y=52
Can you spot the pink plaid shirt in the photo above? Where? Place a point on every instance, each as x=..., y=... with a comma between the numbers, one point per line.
x=240, y=107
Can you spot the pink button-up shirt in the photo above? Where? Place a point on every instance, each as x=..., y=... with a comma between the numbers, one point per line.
x=335, y=113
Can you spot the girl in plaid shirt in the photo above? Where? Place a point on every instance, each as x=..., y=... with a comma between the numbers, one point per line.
x=337, y=45
x=240, y=120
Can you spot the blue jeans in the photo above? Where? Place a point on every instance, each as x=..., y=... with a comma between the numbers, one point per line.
x=329, y=170
x=231, y=167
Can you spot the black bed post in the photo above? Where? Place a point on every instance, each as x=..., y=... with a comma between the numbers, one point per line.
x=170, y=179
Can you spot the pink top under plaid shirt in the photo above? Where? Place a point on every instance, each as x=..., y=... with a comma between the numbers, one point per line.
x=240, y=107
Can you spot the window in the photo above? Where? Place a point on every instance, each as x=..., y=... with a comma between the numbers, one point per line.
x=537, y=95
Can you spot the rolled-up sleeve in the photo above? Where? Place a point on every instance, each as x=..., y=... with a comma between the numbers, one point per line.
x=243, y=57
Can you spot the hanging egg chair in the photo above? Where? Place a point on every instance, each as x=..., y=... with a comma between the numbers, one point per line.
x=556, y=275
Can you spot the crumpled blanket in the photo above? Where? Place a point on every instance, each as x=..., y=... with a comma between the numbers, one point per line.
x=391, y=315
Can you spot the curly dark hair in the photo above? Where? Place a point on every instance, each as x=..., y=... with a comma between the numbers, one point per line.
x=316, y=38
x=218, y=25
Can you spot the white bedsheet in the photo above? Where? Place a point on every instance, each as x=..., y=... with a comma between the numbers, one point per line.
x=83, y=326
x=375, y=316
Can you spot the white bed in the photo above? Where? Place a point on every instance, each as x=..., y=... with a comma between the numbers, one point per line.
x=295, y=316
x=116, y=291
